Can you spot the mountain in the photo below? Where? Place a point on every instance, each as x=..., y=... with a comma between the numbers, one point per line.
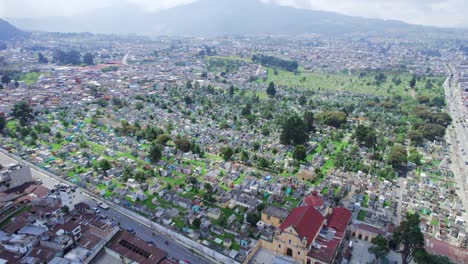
x=9, y=32
x=215, y=17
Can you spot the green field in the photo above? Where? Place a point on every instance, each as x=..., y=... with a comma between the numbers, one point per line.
x=30, y=78
x=354, y=83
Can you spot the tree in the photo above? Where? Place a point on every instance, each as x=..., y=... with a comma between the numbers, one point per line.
x=253, y=218
x=163, y=139
x=42, y=59
x=421, y=256
x=300, y=153
x=294, y=131
x=309, y=121
x=188, y=100
x=416, y=137
x=2, y=123
x=65, y=209
x=432, y=131
x=271, y=90
x=71, y=57
x=183, y=144
x=188, y=84
x=231, y=90
x=196, y=223
x=397, y=157
x=104, y=165
x=412, y=82
x=23, y=112
x=208, y=187
x=379, y=247
x=6, y=79
x=366, y=136
x=88, y=59
x=410, y=237
x=155, y=153
x=415, y=157
x=226, y=153
x=330, y=118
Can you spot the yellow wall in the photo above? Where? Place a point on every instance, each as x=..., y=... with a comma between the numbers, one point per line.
x=271, y=220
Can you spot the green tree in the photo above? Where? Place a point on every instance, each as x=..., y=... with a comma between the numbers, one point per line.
x=271, y=90
x=23, y=112
x=104, y=165
x=294, y=131
x=379, y=247
x=410, y=237
x=163, y=139
x=2, y=123
x=6, y=79
x=397, y=157
x=155, y=153
x=196, y=223
x=226, y=153
x=309, y=121
x=253, y=218
x=300, y=153
x=231, y=90
x=183, y=144
x=42, y=59
x=88, y=59
x=432, y=131
x=208, y=187
x=65, y=209
x=415, y=137
x=332, y=118
x=412, y=82
x=366, y=136
x=415, y=157
x=421, y=256
x=188, y=100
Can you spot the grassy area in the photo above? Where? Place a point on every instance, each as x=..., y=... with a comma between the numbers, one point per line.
x=365, y=201
x=8, y=220
x=361, y=215
x=213, y=157
x=353, y=83
x=30, y=77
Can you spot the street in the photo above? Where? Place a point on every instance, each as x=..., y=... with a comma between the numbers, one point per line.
x=457, y=136
x=126, y=222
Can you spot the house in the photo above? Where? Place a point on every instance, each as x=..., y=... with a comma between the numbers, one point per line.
x=274, y=216
x=214, y=213
x=130, y=249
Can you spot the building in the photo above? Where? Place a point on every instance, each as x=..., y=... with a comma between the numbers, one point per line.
x=274, y=216
x=129, y=249
x=308, y=237
x=14, y=175
x=66, y=196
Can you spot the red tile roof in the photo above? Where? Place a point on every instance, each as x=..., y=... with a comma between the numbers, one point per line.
x=339, y=219
x=306, y=220
x=456, y=254
x=313, y=200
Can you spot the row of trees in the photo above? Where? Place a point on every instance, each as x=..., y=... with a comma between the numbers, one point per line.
x=275, y=62
x=72, y=57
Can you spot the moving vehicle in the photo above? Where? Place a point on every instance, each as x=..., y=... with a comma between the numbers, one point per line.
x=103, y=205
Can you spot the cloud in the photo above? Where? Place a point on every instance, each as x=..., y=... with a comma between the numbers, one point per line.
x=426, y=12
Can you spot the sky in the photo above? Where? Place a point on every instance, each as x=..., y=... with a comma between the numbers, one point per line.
x=442, y=13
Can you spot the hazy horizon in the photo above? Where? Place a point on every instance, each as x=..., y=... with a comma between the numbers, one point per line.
x=439, y=13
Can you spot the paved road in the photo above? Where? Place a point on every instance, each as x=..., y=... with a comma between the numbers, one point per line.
x=125, y=58
x=457, y=136
x=126, y=221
